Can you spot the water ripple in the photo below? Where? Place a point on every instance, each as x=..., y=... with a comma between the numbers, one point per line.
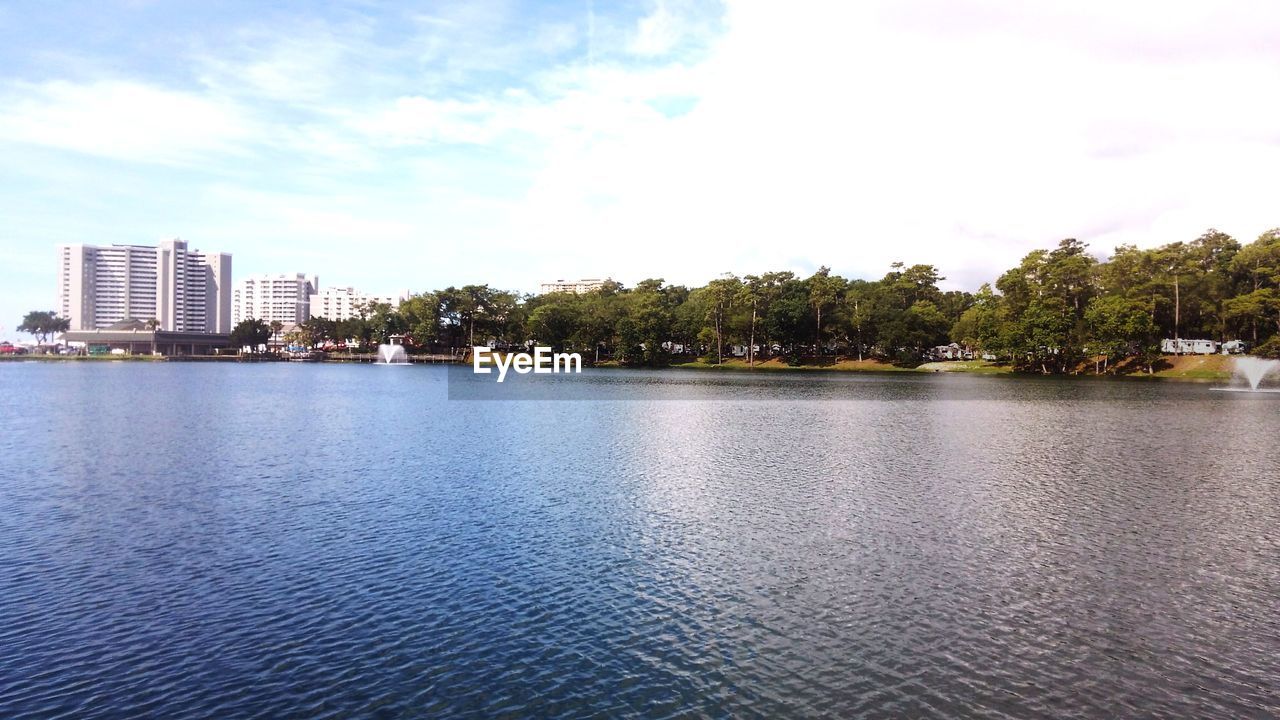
x=321, y=541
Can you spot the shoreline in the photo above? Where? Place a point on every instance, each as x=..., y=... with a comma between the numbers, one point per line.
x=1186, y=368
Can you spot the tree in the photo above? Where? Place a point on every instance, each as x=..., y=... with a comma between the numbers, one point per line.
x=385, y=321
x=1175, y=262
x=1043, y=335
x=251, y=333
x=647, y=324
x=1120, y=326
x=721, y=294
x=907, y=332
x=979, y=326
x=858, y=299
x=1210, y=257
x=317, y=330
x=823, y=291
x=1069, y=273
x=42, y=324
x=276, y=327
x=1257, y=265
x=421, y=315
x=1262, y=305
x=554, y=324
x=152, y=326
x=788, y=320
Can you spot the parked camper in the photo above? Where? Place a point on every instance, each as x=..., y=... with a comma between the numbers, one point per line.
x=1183, y=346
x=949, y=352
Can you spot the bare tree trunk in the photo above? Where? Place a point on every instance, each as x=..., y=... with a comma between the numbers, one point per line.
x=1177, y=316
x=751, y=345
x=719, y=343
x=818, y=339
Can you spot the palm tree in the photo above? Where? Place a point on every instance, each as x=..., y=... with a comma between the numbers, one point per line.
x=152, y=326
x=276, y=327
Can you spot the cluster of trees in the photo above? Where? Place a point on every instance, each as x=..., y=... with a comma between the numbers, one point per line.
x=654, y=322
x=1059, y=309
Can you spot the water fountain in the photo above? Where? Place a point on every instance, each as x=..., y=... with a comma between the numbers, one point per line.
x=1254, y=369
x=392, y=355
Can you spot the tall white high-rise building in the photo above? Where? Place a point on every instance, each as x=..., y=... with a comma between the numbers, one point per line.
x=184, y=290
x=342, y=303
x=286, y=298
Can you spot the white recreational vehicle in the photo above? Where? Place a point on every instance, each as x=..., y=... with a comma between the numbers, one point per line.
x=1183, y=346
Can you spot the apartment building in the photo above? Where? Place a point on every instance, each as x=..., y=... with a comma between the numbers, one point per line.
x=342, y=303
x=270, y=298
x=577, y=287
x=184, y=290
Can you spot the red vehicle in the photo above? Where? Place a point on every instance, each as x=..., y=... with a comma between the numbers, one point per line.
x=7, y=348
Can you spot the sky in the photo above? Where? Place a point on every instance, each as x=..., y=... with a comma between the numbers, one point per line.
x=407, y=145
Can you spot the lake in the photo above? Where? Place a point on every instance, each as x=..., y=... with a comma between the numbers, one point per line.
x=286, y=540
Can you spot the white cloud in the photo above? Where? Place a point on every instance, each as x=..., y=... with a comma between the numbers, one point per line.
x=851, y=134
x=656, y=33
x=412, y=120
x=297, y=69
x=122, y=120
x=840, y=133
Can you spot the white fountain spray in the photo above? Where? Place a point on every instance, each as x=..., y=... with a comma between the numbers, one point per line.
x=392, y=355
x=1254, y=369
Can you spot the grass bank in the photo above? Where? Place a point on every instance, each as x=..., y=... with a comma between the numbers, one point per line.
x=845, y=365
x=1197, y=368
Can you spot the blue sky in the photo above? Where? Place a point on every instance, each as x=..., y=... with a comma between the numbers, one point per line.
x=414, y=145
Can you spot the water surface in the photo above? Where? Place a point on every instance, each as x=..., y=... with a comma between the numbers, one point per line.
x=187, y=540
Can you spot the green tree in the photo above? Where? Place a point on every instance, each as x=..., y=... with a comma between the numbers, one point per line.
x=251, y=333
x=317, y=330
x=1119, y=327
x=980, y=325
x=1252, y=308
x=421, y=313
x=859, y=303
x=276, y=327
x=43, y=324
x=647, y=324
x=555, y=324
x=1257, y=266
x=1175, y=262
x=1044, y=334
x=721, y=295
x=824, y=289
x=152, y=325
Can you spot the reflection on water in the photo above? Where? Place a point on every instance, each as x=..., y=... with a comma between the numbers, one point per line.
x=326, y=541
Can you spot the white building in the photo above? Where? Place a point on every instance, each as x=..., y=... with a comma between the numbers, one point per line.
x=342, y=303
x=286, y=298
x=184, y=290
x=577, y=287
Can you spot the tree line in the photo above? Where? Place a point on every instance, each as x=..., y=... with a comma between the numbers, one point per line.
x=1059, y=309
